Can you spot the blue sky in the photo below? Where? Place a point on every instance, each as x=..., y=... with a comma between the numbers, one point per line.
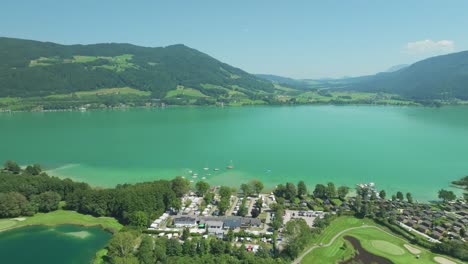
x=300, y=39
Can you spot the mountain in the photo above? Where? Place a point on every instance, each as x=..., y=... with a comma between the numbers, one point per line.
x=442, y=77
x=32, y=68
x=397, y=67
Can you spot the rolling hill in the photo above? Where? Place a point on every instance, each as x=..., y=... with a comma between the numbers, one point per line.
x=438, y=78
x=40, y=69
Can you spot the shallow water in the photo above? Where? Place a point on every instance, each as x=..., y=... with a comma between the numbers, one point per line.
x=60, y=244
x=408, y=149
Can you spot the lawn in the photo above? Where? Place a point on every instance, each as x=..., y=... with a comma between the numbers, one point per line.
x=61, y=217
x=373, y=240
x=186, y=92
x=104, y=91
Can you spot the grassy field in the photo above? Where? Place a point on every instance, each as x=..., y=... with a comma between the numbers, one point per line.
x=61, y=217
x=104, y=91
x=373, y=240
x=186, y=92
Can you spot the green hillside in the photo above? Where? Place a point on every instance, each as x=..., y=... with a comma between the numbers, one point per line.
x=43, y=69
x=437, y=78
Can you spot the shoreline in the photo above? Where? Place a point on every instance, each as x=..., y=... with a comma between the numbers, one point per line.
x=413, y=104
x=65, y=217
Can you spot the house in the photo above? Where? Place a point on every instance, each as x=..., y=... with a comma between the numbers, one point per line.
x=422, y=229
x=185, y=221
x=426, y=223
x=251, y=222
x=232, y=222
x=214, y=227
x=439, y=229
x=436, y=235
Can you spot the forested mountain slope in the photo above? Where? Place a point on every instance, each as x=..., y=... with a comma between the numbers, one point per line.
x=32, y=68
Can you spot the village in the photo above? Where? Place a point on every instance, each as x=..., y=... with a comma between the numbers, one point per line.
x=206, y=221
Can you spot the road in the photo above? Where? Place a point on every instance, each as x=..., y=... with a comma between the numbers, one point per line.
x=298, y=259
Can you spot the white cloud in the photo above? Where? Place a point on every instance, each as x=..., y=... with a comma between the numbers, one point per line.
x=429, y=46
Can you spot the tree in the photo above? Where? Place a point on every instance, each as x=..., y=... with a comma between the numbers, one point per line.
x=225, y=192
x=138, y=219
x=297, y=232
x=255, y=212
x=201, y=188
x=331, y=190
x=462, y=232
x=399, y=196
x=301, y=189
x=409, y=197
x=246, y=189
x=223, y=205
x=394, y=197
x=382, y=194
x=34, y=169
x=290, y=191
x=14, y=204
x=447, y=195
x=46, y=202
x=243, y=210
x=342, y=192
x=145, y=252
x=12, y=166
x=257, y=186
x=208, y=197
x=320, y=191
x=185, y=234
x=173, y=247
x=180, y=186
x=121, y=245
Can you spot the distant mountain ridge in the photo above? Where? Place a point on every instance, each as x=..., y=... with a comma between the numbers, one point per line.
x=442, y=77
x=33, y=68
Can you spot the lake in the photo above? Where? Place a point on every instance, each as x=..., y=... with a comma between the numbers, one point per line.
x=59, y=244
x=408, y=149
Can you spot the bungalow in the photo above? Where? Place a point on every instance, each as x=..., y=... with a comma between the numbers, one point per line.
x=422, y=229
x=439, y=229
x=426, y=223
x=436, y=235
x=250, y=222
x=185, y=221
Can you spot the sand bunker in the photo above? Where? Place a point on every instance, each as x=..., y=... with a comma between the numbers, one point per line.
x=442, y=260
x=19, y=219
x=412, y=249
x=80, y=234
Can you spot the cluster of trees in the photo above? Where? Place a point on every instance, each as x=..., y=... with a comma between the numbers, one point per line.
x=254, y=187
x=462, y=183
x=447, y=195
x=330, y=191
x=124, y=248
x=290, y=192
x=28, y=191
x=133, y=204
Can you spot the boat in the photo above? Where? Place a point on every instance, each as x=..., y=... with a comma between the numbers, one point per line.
x=206, y=169
x=230, y=167
x=203, y=178
x=189, y=171
x=216, y=169
x=191, y=180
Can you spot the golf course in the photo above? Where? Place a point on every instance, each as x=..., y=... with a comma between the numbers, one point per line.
x=332, y=247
